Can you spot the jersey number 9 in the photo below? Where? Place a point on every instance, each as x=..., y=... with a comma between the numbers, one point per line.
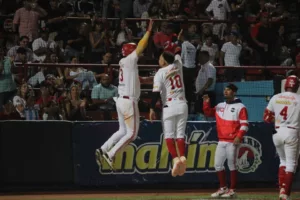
x=175, y=82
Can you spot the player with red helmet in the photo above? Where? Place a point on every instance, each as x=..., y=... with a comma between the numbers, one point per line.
x=284, y=110
x=129, y=90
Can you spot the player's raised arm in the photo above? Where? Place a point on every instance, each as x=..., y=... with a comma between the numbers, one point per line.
x=207, y=110
x=144, y=41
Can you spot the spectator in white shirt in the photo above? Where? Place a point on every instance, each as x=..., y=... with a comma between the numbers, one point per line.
x=41, y=47
x=140, y=6
x=188, y=56
x=220, y=8
x=230, y=53
x=23, y=42
x=212, y=49
x=205, y=81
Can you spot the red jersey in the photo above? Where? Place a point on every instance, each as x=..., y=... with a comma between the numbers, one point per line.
x=231, y=119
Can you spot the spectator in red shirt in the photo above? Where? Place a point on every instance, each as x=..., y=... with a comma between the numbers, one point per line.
x=164, y=36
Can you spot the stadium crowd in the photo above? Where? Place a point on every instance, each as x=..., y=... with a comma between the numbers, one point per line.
x=230, y=32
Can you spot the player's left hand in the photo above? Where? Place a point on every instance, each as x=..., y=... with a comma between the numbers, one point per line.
x=152, y=115
x=236, y=141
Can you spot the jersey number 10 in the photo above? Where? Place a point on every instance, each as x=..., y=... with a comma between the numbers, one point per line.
x=175, y=82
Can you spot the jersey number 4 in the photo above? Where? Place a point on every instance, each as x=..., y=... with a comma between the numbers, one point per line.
x=284, y=112
x=175, y=82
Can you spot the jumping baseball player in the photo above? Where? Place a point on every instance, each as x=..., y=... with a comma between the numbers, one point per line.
x=284, y=110
x=127, y=102
x=168, y=82
x=232, y=125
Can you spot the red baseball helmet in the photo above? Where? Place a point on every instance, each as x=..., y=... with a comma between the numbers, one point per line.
x=171, y=47
x=128, y=48
x=292, y=82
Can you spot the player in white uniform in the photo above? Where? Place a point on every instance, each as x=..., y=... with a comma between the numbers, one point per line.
x=127, y=102
x=284, y=109
x=168, y=82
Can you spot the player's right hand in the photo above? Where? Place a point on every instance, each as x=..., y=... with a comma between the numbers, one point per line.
x=150, y=25
x=152, y=115
x=206, y=98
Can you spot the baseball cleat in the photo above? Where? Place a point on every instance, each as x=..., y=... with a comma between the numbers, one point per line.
x=220, y=192
x=99, y=156
x=282, y=193
x=284, y=197
x=182, y=168
x=109, y=161
x=230, y=193
x=176, y=166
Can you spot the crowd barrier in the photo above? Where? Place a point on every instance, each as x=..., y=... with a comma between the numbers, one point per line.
x=62, y=153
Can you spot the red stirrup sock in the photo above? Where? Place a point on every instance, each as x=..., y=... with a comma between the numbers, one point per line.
x=222, y=178
x=233, y=179
x=281, y=175
x=171, y=147
x=181, y=146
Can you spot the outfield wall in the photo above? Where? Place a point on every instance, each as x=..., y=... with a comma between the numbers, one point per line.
x=62, y=153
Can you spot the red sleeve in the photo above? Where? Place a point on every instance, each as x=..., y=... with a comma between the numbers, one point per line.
x=156, y=39
x=243, y=117
x=269, y=116
x=254, y=30
x=208, y=111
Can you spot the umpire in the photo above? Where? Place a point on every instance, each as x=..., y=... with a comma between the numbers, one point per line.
x=205, y=81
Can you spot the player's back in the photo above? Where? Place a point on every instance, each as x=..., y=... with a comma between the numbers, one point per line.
x=172, y=87
x=129, y=82
x=286, y=107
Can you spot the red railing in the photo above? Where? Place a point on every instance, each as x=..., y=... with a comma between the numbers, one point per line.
x=273, y=69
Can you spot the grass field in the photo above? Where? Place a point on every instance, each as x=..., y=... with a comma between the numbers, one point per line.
x=186, y=195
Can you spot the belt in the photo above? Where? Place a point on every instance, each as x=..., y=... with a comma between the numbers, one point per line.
x=175, y=99
x=128, y=97
x=276, y=127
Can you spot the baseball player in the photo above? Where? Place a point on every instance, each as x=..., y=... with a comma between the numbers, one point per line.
x=284, y=109
x=127, y=102
x=232, y=125
x=168, y=82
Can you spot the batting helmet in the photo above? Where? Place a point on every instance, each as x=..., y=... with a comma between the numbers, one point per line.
x=171, y=47
x=292, y=82
x=128, y=48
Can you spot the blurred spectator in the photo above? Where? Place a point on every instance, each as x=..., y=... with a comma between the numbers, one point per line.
x=7, y=84
x=205, y=81
x=27, y=19
x=188, y=56
x=19, y=106
x=163, y=36
x=193, y=34
x=123, y=8
x=66, y=7
x=55, y=17
x=23, y=42
x=106, y=60
x=24, y=92
x=40, y=76
x=76, y=42
x=75, y=107
x=174, y=12
x=191, y=10
x=42, y=46
x=263, y=37
x=212, y=49
x=102, y=96
x=220, y=8
x=84, y=7
x=32, y=110
x=122, y=34
x=140, y=6
x=84, y=77
x=230, y=53
x=97, y=40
